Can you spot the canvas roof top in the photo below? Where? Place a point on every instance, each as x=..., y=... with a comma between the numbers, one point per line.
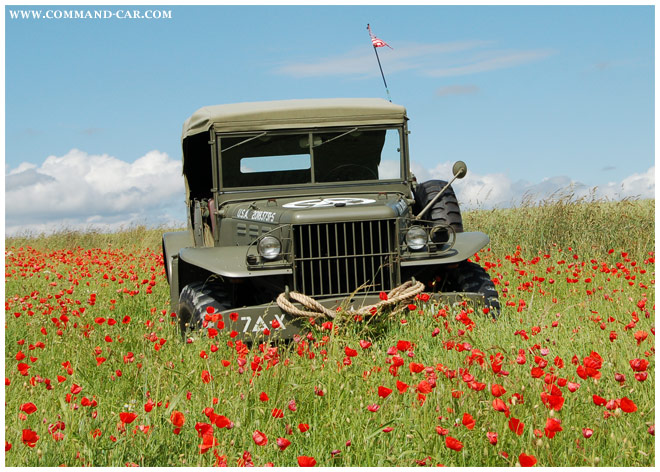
x=285, y=114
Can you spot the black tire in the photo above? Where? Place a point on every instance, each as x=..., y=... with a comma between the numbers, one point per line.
x=471, y=277
x=445, y=211
x=195, y=298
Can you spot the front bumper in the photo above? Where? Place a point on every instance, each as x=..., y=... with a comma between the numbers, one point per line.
x=255, y=323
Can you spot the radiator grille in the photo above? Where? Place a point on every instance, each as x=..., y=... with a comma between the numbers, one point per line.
x=337, y=258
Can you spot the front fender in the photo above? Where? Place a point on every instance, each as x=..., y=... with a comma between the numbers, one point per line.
x=227, y=261
x=173, y=242
x=466, y=245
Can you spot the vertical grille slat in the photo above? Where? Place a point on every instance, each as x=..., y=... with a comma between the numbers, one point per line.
x=334, y=259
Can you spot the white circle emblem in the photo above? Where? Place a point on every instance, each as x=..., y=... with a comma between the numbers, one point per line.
x=328, y=202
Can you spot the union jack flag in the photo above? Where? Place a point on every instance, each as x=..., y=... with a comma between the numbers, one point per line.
x=377, y=43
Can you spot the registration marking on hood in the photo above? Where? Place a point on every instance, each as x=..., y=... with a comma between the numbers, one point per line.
x=329, y=202
x=256, y=215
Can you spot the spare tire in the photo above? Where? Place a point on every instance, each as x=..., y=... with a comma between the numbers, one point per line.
x=444, y=211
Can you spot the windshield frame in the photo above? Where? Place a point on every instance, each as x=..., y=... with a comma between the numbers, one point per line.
x=312, y=183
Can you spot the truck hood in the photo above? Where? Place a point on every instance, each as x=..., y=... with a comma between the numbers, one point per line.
x=321, y=208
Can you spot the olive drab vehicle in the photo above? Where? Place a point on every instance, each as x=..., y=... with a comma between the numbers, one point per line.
x=311, y=197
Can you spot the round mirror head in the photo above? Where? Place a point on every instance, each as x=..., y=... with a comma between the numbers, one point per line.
x=459, y=169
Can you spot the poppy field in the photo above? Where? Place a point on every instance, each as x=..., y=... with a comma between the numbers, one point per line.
x=96, y=372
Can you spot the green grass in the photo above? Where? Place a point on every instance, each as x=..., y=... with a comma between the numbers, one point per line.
x=55, y=276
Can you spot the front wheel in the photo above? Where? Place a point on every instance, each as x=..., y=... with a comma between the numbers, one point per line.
x=194, y=300
x=471, y=277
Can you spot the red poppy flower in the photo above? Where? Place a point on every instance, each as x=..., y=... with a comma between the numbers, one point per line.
x=492, y=437
x=552, y=427
x=28, y=408
x=365, y=344
x=220, y=460
x=384, y=392
x=203, y=429
x=283, y=443
x=277, y=413
x=639, y=365
x=208, y=441
x=441, y=431
x=587, y=432
x=127, y=418
x=599, y=401
x=424, y=387
x=30, y=438
x=206, y=376
x=516, y=426
x=640, y=336
x=537, y=372
x=641, y=376
x=222, y=422
x=628, y=405
x=497, y=390
x=149, y=405
x=259, y=438
x=416, y=368
x=263, y=397
x=453, y=443
x=572, y=387
x=350, y=352
x=526, y=461
x=468, y=421
x=177, y=418
x=306, y=461
x=403, y=345
x=373, y=408
x=499, y=405
x=303, y=427
x=553, y=400
x=401, y=387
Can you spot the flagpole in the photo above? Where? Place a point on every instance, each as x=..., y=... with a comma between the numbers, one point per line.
x=383, y=75
x=381, y=68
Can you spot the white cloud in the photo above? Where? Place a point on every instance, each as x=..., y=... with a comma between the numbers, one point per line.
x=436, y=60
x=491, y=61
x=79, y=191
x=499, y=191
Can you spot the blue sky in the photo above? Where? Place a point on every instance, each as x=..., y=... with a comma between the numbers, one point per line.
x=532, y=98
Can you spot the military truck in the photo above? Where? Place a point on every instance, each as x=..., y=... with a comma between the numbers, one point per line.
x=312, y=197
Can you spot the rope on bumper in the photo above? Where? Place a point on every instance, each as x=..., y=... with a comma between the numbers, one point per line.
x=403, y=293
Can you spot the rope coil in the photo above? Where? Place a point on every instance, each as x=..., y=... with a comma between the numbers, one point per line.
x=403, y=293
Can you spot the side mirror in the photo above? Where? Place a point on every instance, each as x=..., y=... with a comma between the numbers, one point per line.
x=459, y=170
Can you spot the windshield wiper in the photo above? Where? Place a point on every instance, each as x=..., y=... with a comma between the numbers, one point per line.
x=336, y=137
x=245, y=141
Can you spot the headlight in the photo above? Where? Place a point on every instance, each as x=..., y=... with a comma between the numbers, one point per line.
x=416, y=238
x=269, y=247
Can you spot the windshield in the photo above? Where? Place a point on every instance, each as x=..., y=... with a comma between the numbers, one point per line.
x=343, y=155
